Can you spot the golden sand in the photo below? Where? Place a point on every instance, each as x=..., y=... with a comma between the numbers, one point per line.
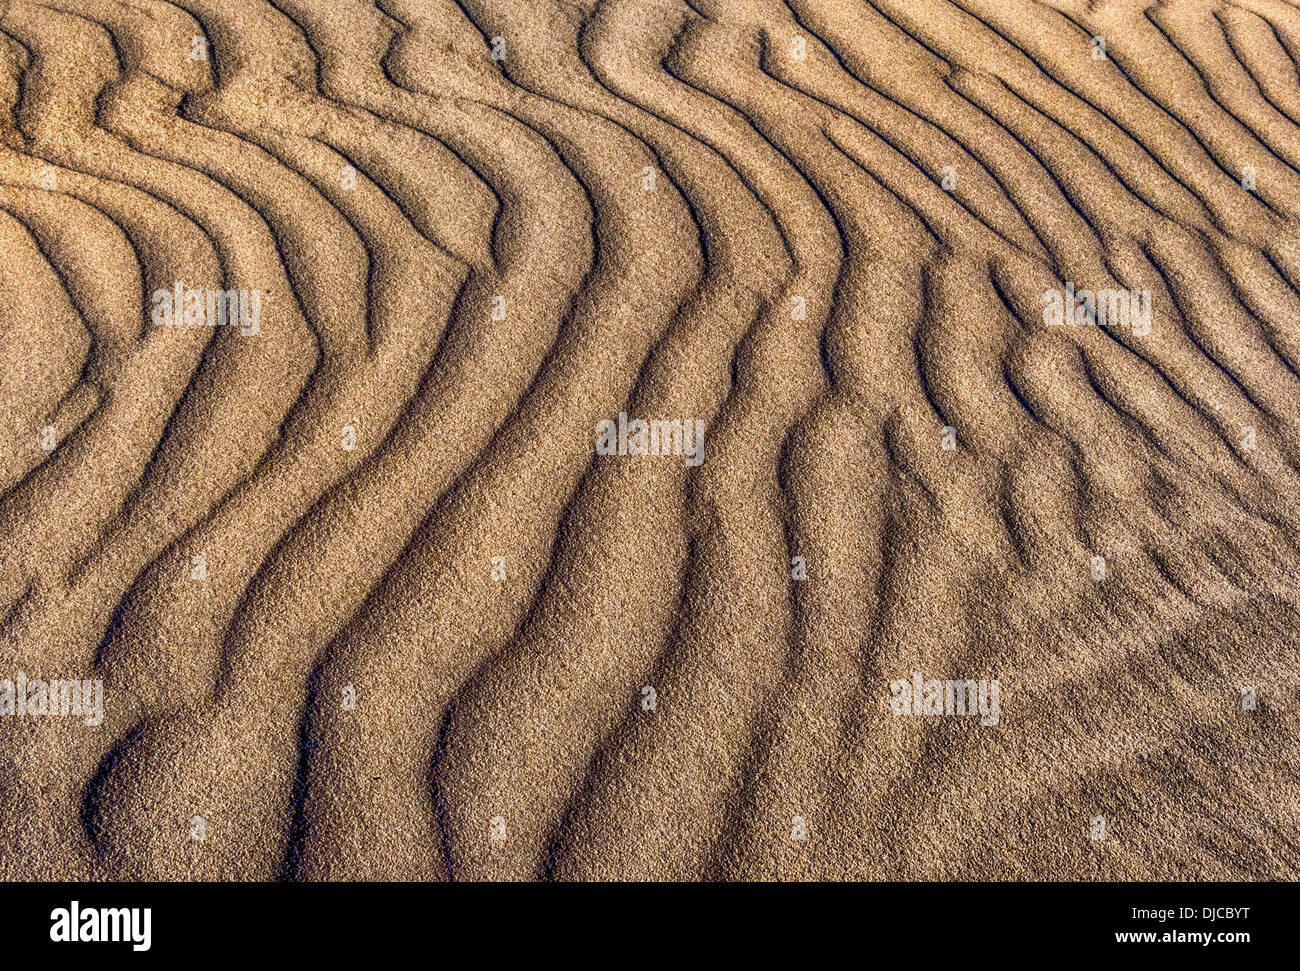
x=370, y=599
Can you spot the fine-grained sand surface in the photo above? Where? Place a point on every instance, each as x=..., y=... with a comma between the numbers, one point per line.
x=369, y=600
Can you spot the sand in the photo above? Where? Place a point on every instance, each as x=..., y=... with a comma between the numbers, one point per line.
x=371, y=591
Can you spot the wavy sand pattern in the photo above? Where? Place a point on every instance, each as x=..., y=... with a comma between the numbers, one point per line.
x=477, y=229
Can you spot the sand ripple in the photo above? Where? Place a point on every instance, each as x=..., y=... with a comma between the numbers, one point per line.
x=824, y=229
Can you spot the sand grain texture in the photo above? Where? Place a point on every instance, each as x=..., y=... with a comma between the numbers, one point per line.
x=464, y=265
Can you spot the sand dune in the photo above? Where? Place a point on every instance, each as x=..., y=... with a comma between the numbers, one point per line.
x=312, y=313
